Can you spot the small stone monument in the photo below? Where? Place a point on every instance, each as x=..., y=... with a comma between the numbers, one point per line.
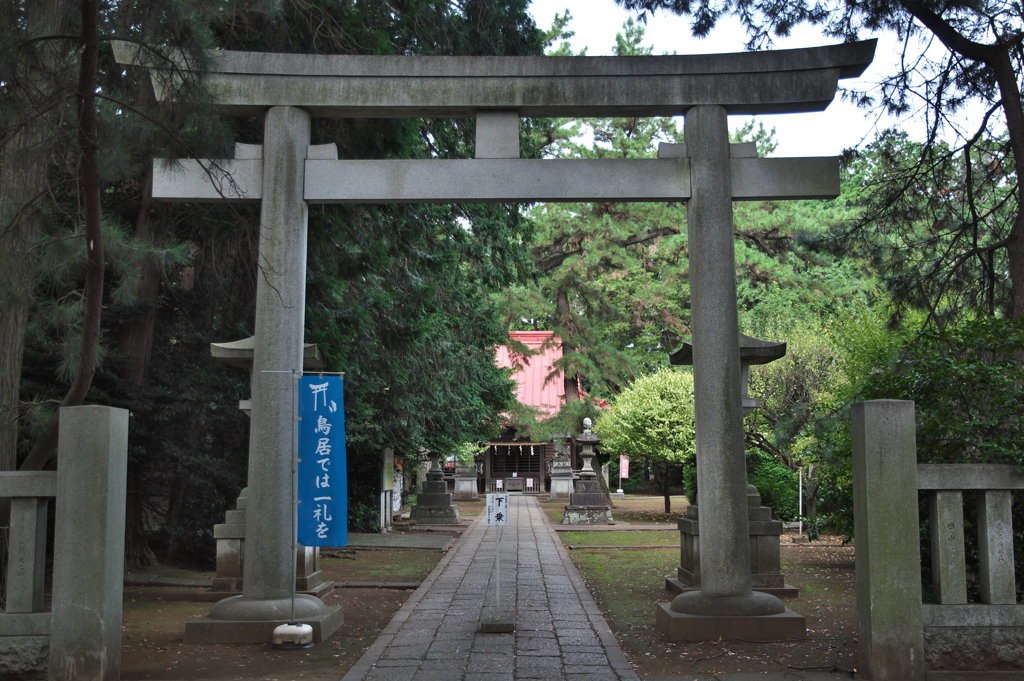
x=561, y=474
x=230, y=537
x=465, y=483
x=434, y=503
x=765, y=565
x=587, y=505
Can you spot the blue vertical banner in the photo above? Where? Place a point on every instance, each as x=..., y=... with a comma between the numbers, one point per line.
x=322, y=476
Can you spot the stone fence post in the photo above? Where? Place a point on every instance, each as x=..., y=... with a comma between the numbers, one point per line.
x=888, y=580
x=88, y=556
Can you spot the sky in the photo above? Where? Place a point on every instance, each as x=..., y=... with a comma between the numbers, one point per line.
x=841, y=125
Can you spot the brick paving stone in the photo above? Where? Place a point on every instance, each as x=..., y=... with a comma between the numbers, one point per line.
x=436, y=675
x=589, y=649
x=390, y=674
x=579, y=658
x=538, y=645
x=539, y=675
x=490, y=662
x=534, y=633
x=403, y=652
x=450, y=646
x=453, y=662
x=487, y=676
x=549, y=661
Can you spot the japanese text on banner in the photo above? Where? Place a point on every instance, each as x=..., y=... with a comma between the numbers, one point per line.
x=322, y=475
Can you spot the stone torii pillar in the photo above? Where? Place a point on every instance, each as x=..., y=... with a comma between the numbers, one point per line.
x=718, y=409
x=275, y=175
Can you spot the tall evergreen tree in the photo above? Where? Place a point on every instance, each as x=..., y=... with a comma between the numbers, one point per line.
x=983, y=62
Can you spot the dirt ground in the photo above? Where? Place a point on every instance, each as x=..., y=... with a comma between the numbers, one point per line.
x=154, y=620
x=627, y=584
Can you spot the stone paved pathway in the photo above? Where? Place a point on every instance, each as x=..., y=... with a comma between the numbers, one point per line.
x=560, y=633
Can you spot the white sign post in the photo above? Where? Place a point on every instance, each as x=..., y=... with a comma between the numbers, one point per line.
x=497, y=514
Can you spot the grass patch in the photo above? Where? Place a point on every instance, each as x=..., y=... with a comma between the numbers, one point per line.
x=627, y=582
x=380, y=566
x=649, y=510
x=640, y=537
x=554, y=510
x=627, y=585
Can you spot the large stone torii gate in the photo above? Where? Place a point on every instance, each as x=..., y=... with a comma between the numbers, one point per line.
x=286, y=174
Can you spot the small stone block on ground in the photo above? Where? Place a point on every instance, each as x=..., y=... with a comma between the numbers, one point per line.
x=500, y=625
x=679, y=627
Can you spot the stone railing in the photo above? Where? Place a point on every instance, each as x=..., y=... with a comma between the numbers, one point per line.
x=900, y=637
x=25, y=623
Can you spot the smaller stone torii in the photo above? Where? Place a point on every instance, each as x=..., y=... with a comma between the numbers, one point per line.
x=286, y=174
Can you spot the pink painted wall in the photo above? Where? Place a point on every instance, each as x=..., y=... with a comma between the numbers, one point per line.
x=531, y=388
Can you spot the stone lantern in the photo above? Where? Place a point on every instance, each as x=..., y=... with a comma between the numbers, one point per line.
x=561, y=471
x=766, y=571
x=752, y=351
x=434, y=503
x=587, y=504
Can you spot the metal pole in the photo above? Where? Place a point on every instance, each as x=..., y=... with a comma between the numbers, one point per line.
x=497, y=574
x=295, y=482
x=801, y=502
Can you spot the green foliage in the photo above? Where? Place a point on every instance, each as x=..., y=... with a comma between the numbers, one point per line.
x=398, y=297
x=935, y=225
x=967, y=384
x=777, y=484
x=363, y=517
x=652, y=420
x=956, y=205
x=610, y=280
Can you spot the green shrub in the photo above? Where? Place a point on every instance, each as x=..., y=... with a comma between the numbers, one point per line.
x=779, y=486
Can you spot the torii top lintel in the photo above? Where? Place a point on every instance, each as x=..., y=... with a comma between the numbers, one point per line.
x=778, y=81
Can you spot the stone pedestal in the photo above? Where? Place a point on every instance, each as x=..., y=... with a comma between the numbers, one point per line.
x=230, y=537
x=678, y=626
x=465, y=483
x=434, y=503
x=765, y=565
x=561, y=479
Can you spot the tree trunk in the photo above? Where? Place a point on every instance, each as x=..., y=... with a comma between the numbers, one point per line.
x=26, y=155
x=666, y=485
x=1010, y=91
x=811, y=493
x=89, y=193
x=136, y=345
x=136, y=340
x=570, y=380
x=137, y=553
